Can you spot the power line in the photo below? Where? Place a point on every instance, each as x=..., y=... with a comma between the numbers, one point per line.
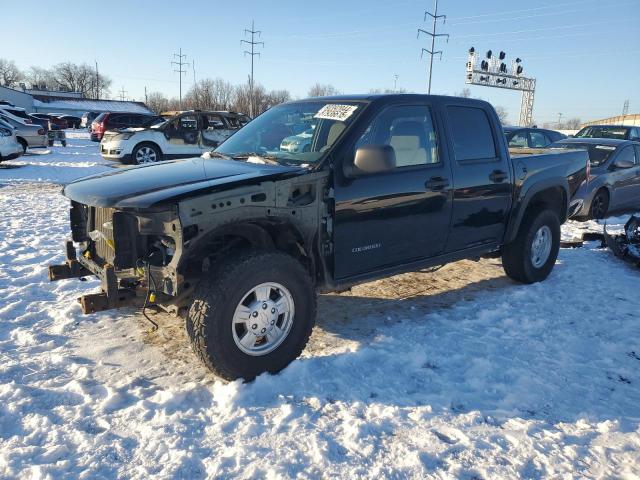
x=123, y=92
x=180, y=71
x=433, y=36
x=253, y=53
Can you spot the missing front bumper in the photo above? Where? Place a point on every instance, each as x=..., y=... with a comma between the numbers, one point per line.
x=111, y=295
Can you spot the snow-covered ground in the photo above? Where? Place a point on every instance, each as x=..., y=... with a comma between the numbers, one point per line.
x=455, y=374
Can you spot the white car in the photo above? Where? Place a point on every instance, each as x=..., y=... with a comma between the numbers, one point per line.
x=29, y=135
x=187, y=134
x=9, y=146
x=298, y=143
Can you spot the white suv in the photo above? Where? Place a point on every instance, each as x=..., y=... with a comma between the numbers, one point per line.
x=10, y=148
x=187, y=134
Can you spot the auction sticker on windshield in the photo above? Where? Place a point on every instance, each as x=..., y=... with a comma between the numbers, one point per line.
x=337, y=112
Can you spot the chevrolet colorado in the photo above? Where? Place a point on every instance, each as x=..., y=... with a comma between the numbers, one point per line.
x=240, y=241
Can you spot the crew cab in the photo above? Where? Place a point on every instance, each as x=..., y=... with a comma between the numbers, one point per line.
x=241, y=240
x=184, y=135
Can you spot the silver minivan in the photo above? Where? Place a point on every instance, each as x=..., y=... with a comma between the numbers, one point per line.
x=28, y=135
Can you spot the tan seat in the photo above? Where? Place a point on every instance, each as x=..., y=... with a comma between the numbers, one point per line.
x=334, y=132
x=409, y=141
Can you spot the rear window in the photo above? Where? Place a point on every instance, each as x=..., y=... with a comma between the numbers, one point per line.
x=17, y=113
x=603, y=132
x=472, y=134
x=598, y=154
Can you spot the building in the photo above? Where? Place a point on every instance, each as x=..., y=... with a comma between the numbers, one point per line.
x=631, y=119
x=68, y=103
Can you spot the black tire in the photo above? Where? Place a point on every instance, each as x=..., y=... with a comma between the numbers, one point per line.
x=142, y=145
x=516, y=256
x=599, y=205
x=64, y=143
x=50, y=142
x=209, y=321
x=23, y=142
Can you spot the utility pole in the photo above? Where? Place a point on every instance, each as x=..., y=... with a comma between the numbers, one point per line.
x=625, y=107
x=97, y=82
x=145, y=95
x=253, y=53
x=433, y=36
x=395, y=83
x=180, y=71
x=122, y=93
x=559, y=119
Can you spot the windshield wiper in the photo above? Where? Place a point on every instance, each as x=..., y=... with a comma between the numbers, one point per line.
x=214, y=154
x=271, y=159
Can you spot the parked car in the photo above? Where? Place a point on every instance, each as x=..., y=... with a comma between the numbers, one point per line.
x=28, y=135
x=72, y=120
x=10, y=148
x=87, y=118
x=614, y=181
x=114, y=121
x=527, y=137
x=298, y=143
x=18, y=113
x=240, y=242
x=55, y=121
x=185, y=135
x=621, y=132
x=44, y=123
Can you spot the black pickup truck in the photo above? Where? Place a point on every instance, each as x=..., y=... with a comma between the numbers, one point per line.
x=314, y=196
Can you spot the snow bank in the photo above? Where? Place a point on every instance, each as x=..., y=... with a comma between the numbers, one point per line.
x=536, y=381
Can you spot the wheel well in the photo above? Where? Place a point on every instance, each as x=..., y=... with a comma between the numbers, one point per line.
x=22, y=141
x=147, y=142
x=263, y=234
x=554, y=198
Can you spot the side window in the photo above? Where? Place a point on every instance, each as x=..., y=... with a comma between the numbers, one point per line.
x=472, y=134
x=187, y=122
x=538, y=140
x=519, y=140
x=628, y=154
x=637, y=147
x=214, y=122
x=409, y=130
x=116, y=120
x=635, y=134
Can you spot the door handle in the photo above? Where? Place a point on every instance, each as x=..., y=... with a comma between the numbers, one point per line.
x=436, y=183
x=498, y=176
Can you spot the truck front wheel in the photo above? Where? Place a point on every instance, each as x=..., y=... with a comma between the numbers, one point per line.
x=253, y=314
x=532, y=255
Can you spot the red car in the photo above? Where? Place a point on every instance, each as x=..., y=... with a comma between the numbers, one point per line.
x=57, y=121
x=114, y=120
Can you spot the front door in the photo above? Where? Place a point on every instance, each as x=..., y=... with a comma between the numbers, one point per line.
x=626, y=181
x=215, y=130
x=183, y=136
x=399, y=216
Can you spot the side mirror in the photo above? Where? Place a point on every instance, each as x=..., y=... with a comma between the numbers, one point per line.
x=372, y=159
x=623, y=164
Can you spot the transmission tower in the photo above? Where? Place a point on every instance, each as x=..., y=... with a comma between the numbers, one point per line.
x=180, y=63
x=433, y=36
x=625, y=107
x=123, y=92
x=253, y=32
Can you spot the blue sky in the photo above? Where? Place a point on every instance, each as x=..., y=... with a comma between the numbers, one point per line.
x=584, y=54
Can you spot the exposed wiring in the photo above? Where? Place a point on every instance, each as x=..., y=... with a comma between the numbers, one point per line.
x=150, y=280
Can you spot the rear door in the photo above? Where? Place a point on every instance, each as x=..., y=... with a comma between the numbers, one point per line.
x=482, y=195
x=183, y=133
x=399, y=216
x=215, y=130
x=538, y=139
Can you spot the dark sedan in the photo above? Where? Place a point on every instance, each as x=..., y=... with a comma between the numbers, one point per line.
x=620, y=132
x=525, y=137
x=614, y=182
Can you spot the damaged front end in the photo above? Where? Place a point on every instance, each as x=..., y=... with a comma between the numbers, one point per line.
x=627, y=244
x=132, y=252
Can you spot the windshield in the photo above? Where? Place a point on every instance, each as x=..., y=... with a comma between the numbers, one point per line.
x=292, y=133
x=598, y=154
x=603, y=132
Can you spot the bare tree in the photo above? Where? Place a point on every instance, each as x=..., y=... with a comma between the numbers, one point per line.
x=465, y=93
x=157, y=102
x=502, y=114
x=572, y=124
x=320, y=90
x=10, y=74
x=40, y=79
x=79, y=78
x=279, y=96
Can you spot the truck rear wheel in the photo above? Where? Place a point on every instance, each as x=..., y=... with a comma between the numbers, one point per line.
x=253, y=314
x=532, y=255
